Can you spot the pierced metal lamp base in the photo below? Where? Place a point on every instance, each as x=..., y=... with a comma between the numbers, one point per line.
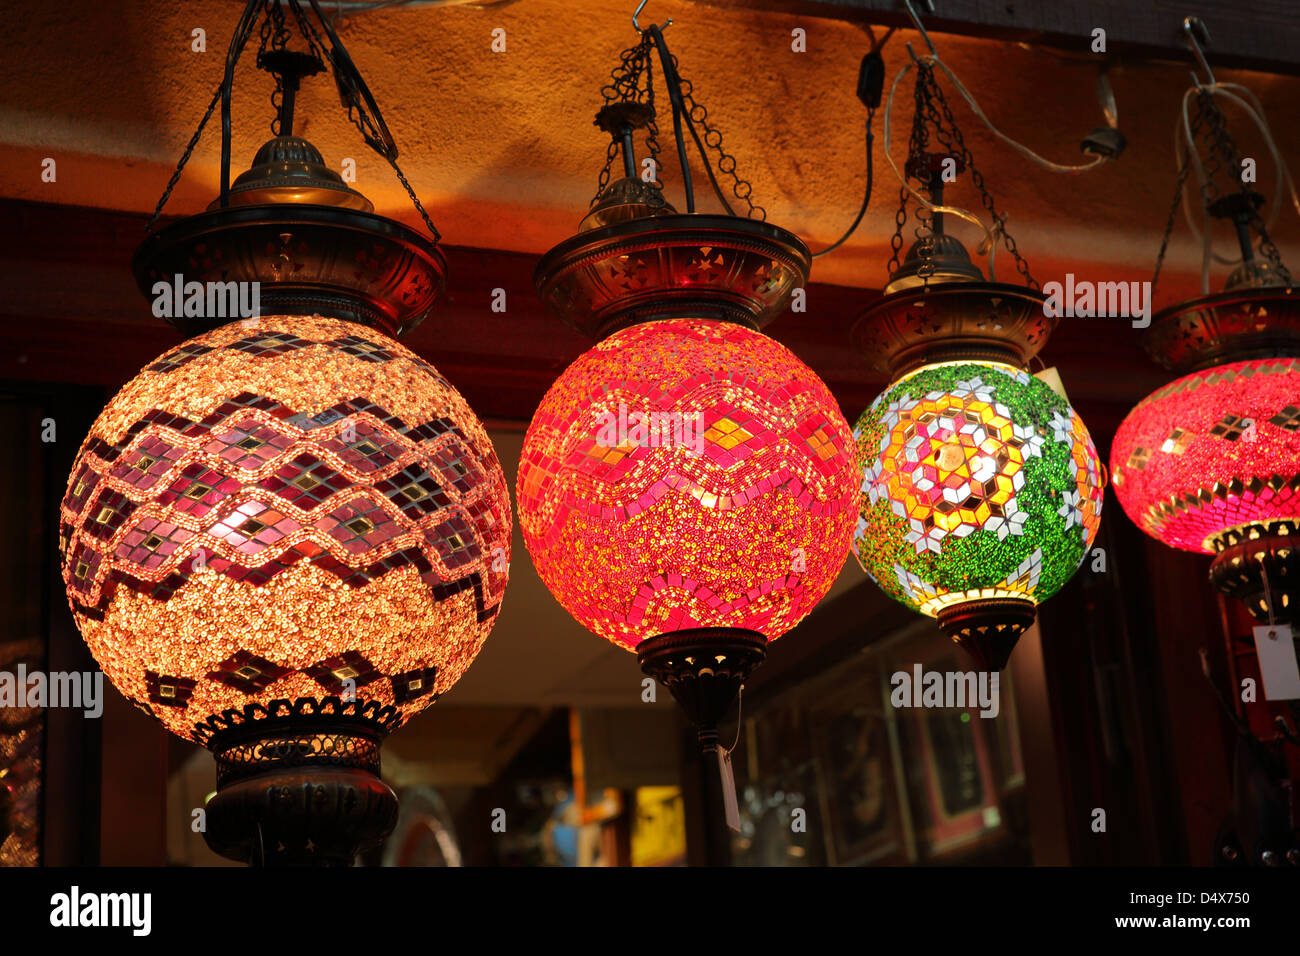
x=1225, y=327
x=1259, y=565
x=703, y=668
x=672, y=266
x=988, y=629
x=302, y=795
x=952, y=322
x=345, y=263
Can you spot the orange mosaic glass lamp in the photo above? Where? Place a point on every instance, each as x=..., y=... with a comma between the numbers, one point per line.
x=290, y=534
x=288, y=529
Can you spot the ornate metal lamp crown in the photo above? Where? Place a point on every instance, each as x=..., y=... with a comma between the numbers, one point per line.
x=289, y=222
x=636, y=259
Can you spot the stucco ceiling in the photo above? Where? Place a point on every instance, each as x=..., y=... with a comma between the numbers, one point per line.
x=501, y=147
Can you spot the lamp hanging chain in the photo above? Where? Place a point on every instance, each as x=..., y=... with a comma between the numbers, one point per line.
x=626, y=86
x=948, y=133
x=741, y=188
x=916, y=148
x=275, y=36
x=1179, y=186
x=1224, y=152
x=932, y=114
x=185, y=158
x=1221, y=153
x=363, y=112
x=689, y=117
x=242, y=32
x=652, y=127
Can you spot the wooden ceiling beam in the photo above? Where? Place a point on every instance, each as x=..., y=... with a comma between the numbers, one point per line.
x=1261, y=35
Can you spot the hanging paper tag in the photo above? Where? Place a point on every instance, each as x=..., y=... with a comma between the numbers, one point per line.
x=1277, y=661
x=1052, y=378
x=728, y=789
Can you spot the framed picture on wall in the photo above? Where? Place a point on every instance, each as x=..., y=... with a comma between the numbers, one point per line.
x=950, y=757
x=856, y=768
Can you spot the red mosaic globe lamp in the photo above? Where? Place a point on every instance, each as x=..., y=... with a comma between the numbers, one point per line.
x=1211, y=462
x=290, y=534
x=686, y=488
x=733, y=513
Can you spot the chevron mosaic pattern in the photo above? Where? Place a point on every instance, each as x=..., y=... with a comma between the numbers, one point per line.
x=297, y=508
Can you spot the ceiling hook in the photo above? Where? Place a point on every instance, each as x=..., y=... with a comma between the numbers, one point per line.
x=641, y=6
x=1198, y=37
x=916, y=21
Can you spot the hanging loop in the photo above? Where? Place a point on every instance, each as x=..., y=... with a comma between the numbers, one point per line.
x=1198, y=37
x=920, y=27
x=636, y=23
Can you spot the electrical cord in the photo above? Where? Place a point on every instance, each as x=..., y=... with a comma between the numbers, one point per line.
x=989, y=241
x=1185, y=151
x=866, y=195
x=871, y=84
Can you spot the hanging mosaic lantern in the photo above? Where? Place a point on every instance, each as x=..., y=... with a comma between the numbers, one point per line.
x=981, y=489
x=687, y=474
x=288, y=535
x=1211, y=462
x=694, y=553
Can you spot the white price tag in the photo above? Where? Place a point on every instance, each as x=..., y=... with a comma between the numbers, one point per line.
x=728, y=789
x=1053, y=380
x=1277, y=661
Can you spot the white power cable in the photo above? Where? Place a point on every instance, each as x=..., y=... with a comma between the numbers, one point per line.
x=989, y=241
x=1185, y=150
x=952, y=210
x=1017, y=146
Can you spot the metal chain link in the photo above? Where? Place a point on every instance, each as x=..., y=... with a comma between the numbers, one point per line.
x=632, y=80
x=896, y=243
x=932, y=110
x=652, y=127
x=1173, y=208
x=916, y=143
x=1224, y=152
x=741, y=188
x=185, y=158
x=1221, y=153
x=625, y=86
x=947, y=132
x=275, y=36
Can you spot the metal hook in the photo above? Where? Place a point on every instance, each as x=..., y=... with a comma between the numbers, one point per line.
x=916, y=21
x=1198, y=34
x=641, y=6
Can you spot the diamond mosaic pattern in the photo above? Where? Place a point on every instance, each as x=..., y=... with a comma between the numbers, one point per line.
x=640, y=539
x=1238, y=429
x=251, y=508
